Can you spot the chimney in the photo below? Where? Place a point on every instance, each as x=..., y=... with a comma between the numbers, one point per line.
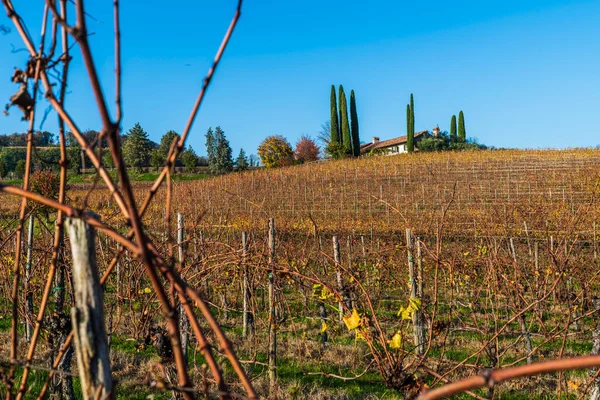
x=436, y=131
x=375, y=139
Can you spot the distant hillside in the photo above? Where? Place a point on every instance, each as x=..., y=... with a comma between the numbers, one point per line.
x=486, y=191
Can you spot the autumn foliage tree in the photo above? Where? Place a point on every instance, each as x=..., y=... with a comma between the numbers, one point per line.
x=306, y=150
x=276, y=151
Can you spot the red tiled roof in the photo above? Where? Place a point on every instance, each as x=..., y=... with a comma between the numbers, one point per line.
x=388, y=143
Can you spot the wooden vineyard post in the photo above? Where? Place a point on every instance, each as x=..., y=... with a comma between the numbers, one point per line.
x=91, y=343
x=595, y=387
x=419, y=270
x=336, y=258
x=519, y=303
x=594, y=245
x=246, y=324
x=28, y=275
x=536, y=275
x=528, y=241
x=272, y=315
x=183, y=322
x=418, y=334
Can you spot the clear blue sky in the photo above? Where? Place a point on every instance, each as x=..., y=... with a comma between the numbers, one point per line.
x=526, y=73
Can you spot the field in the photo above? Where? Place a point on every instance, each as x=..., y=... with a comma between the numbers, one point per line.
x=388, y=275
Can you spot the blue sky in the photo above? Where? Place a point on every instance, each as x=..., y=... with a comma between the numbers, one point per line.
x=525, y=73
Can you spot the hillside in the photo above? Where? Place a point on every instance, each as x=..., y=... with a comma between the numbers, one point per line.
x=486, y=192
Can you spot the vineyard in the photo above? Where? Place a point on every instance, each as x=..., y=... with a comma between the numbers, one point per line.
x=467, y=274
x=377, y=277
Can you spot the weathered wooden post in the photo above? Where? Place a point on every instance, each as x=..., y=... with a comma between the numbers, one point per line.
x=418, y=334
x=519, y=303
x=595, y=248
x=91, y=343
x=336, y=258
x=419, y=270
x=28, y=276
x=247, y=325
x=183, y=322
x=595, y=388
x=272, y=315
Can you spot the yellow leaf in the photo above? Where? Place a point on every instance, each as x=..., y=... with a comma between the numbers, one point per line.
x=415, y=303
x=352, y=321
x=574, y=385
x=359, y=336
x=145, y=290
x=323, y=327
x=317, y=287
x=325, y=294
x=396, y=342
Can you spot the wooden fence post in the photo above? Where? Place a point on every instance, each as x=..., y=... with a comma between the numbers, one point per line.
x=418, y=334
x=595, y=248
x=28, y=276
x=272, y=314
x=336, y=258
x=91, y=343
x=183, y=322
x=247, y=324
x=519, y=303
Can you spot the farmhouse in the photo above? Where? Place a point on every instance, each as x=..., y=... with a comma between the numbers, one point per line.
x=392, y=146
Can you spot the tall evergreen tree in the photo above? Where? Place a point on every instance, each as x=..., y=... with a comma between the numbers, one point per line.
x=223, y=153
x=334, y=124
x=341, y=132
x=211, y=148
x=345, y=125
x=137, y=147
x=410, y=137
x=453, y=128
x=462, y=133
x=412, y=115
x=354, y=126
x=241, y=162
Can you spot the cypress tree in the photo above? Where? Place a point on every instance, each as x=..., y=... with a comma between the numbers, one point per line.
x=412, y=115
x=453, y=128
x=354, y=125
x=334, y=129
x=410, y=125
x=346, y=138
x=410, y=137
x=462, y=133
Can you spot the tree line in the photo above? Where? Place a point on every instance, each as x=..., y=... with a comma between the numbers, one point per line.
x=138, y=152
x=344, y=137
x=456, y=140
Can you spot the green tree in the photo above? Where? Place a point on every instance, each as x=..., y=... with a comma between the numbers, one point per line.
x=20, y=168
x=157, y=158
x=3, y=167
x=334, y=129
x=189, y=159
x=276, y=151
x=412, y=114
x=354, y=125
x=107, y=159
x=74, y=159
x=241, y=162
x=137, y=147
x=453, y=128
x=222, y=161
x=211, y=148
x=166, y=141
x=410, y=125
x=345, y=125
x=410, y=137
x=462, y=133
